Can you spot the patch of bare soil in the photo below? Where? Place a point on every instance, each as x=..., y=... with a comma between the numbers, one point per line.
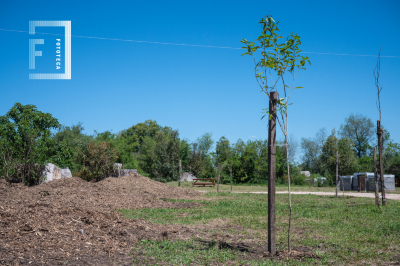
x=396, y=260
x=71, y=221
x=251, y=247
x=254, y=251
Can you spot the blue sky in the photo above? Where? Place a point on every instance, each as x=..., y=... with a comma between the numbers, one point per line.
x=116, y=84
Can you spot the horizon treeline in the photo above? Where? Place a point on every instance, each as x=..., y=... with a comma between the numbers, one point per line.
x=30, y=138
x=155, y=152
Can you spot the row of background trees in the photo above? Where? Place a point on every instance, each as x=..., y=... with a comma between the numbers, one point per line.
x=29, y=138
x=354, y=142
x=155, y=151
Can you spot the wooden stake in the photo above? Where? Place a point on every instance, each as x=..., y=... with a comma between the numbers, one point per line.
x=376, y=180
x=272, y=173
x=231, y=176
x=180, y=173
x=380, y=133
x=337, y=170
x=219, y=172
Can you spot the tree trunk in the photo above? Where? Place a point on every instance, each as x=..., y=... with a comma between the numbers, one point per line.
x=272, y=174
x=290, y=198
x=380, y=133
x=337, y=170
x=376, y=180
x=382, y=176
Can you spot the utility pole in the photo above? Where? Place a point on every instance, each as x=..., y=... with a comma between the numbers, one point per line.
x=380, y=133
x=272, y=173
x=376, y=180
x=337, y=170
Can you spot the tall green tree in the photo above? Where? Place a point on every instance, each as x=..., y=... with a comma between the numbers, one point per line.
x=196, y=161
x=185, y=151
x=347, y=159
x=261, y=147
x=165, y=155
x=360, y=130
x=328, y=155
x=202, y=159
x=25, y=136
x=222, y=150
x=71, y=134
x=134, y=144
x=311, y=155
x=205, y=142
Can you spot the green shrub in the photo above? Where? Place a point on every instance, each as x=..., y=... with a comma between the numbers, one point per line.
x=26, y=143
x=97, y=158
x=299, y=180
x=67, y=139
x=319, y=182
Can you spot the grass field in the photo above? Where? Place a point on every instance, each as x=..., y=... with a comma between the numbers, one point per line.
x=338, y=231
x=259, y=188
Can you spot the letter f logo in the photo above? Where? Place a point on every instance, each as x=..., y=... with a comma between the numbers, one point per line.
x=32, y=52
x=67, y=49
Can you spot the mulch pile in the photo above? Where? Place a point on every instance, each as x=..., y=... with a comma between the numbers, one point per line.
x=74, y=222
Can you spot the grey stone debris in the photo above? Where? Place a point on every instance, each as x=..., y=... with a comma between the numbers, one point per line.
x=117, y=166
x=187, y=176
x=322, y=179
x=118, y=172
x=52, y=172
x=124, y=172
x=66, y=173
x=306, y=173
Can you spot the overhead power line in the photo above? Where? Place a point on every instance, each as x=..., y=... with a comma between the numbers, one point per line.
x=192, y=45
x=125, y=40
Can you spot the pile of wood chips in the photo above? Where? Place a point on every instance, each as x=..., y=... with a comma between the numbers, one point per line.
x=74, y=222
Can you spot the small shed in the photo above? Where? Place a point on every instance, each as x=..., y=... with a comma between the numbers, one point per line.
x=370, y=182
x=389, y=183
x=345, y=182
x=365, y=175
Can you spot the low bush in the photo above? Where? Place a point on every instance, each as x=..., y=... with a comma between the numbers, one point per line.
x=299, y=180
x=97, y=158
